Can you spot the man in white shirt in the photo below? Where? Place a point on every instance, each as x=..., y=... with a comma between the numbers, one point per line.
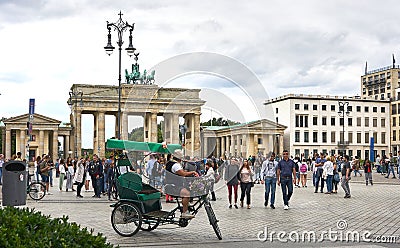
x=268, y=174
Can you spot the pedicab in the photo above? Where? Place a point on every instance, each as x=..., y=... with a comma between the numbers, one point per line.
x=139, y=204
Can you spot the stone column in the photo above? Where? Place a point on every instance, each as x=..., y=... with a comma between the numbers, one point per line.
x=3, y=141
x=101, y=134
x=196, y=134
x=124, y=127
x=22, y=142
x=41, y=143
x=66, y=146
x=153, y=127
x=228, y=145
x=116, y=126
x=55, y=145
x=175, y=128
x=250, y=144
x=95, y=133
x=78, y=132
x=218, y=147
x=8, y=144
x=205, y=147
x=280, y=143
x=223, y=148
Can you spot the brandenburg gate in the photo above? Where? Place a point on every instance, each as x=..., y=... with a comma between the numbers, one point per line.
x=146, y=100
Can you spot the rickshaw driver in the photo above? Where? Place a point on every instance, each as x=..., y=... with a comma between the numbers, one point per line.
x=179, y=187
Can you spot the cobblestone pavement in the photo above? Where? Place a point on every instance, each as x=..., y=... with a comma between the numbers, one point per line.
x=371, y=208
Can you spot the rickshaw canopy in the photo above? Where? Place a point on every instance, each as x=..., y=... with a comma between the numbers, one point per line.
x=141, y=146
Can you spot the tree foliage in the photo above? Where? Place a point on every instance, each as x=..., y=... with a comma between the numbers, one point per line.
x=219, y=122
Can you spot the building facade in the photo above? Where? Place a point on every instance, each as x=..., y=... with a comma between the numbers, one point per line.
x=314, y=124
x=384, y=83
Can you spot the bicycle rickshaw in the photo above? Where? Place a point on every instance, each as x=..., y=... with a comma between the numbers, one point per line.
x=139, y=205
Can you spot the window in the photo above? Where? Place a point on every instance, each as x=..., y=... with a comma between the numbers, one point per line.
x=375, y=109
x=350, y=108
x=366, y=121
x=333, y=107
x=324, y=107
x=383, y=110
x=259, y=141
x=324, y=121
x=358, y=121
x=350, y=122
x=314, y=107
x=394, y=135
x=324, y=137
x=315, y=120
x=306, y=137
x=333, y=136
x=315, y=137
x=375, y=135
x=297, y=106
x=375, y=122
x=276, y=110
x=333, y=121
x=301, y=120
x=383, y=122
x=383, y=139
x=358, y=108
x=394, y=112
x=350, y=137
x=297, y=136
x=394, y=121
x=366, y=109
x=297, y=152
x=305, y=106
x=366, y=138
x=358, y=138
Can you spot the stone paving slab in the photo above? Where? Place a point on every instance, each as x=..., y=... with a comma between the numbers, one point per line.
x=371, y=208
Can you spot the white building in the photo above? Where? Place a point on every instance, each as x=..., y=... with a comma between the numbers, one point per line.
x=314, y=124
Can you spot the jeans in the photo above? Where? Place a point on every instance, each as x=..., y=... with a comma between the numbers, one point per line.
x=368, y=177
x=357, y=171
x=329, y=185
x=257, y=174
x=390, y=169
x=246, y=189
x=287, y=189
x=51, y=177
x=97, y=189
x=319, y=177
x=345, y=185
x=105, y=187
x=270, y=186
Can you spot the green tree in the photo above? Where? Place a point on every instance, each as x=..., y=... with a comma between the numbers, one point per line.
x=219, y=122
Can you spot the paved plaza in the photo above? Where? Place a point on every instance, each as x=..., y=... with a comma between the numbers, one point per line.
x=371, y=209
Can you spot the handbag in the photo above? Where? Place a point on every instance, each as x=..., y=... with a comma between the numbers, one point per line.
x=251, y=178
x=217, y=178
x=336, y=177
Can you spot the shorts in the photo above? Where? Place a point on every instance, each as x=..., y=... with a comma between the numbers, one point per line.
x=303, y=173
x=298, y=175
x=45, y=179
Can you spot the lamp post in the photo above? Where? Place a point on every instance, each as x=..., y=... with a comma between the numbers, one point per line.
x=343, y=111
x=73, y=99
x=120, y=27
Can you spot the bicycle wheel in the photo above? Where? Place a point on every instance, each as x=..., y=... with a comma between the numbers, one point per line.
x=213, y=220
x=126, y=219
x=36, y=191
x=149, y=225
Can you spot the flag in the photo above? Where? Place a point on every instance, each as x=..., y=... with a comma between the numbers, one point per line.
x=394, y=61
x=366, y=66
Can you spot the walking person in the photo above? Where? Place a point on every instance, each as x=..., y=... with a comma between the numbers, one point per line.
x=70, y=177
x=96, y=169
x=346, y=176
x=336, y=177
x=378, y=164
x=61, y=168
x=232, y=181
x=328, y=167
x=356, y=166
x=44, y=169
x=268, y=174
x=110, y=179
x=88, y=178
x=286, y=176
x=79, y=177
x=246, y=182
x=303, y=173
x=319, y=163
x=368, y=171
x=210, y=174
x=391, y=166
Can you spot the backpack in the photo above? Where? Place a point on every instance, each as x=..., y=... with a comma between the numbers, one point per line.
x=303, y=168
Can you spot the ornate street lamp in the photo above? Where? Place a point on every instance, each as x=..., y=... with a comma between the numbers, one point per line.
x=120, y=27
x=74, y=95
x=343, y=112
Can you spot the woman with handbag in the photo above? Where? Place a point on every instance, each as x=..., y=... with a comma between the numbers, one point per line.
x=245, y=177
x=336, y=178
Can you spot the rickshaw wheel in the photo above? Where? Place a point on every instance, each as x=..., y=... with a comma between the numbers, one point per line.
x=183, y=222
x=126, y=219
x=149, y=225
x=213, y=220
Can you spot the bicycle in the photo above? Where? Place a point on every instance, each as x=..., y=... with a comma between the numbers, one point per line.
x=36, y=190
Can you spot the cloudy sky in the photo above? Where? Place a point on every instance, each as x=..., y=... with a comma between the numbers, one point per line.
x=243, y=51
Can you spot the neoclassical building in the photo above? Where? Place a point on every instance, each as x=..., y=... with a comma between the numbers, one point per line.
x=243, y=140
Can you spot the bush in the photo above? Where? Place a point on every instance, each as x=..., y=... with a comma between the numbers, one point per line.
x=26, y=228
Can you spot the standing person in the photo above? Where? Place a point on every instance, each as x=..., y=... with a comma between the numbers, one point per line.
x=79, y=177
x=1, y=168
x=61, y=168
x=328, y=167
x=319, y=163
x=368, y=171
x=356, y=166
x=70, y=177
x=44, y=169
x=231, y=180
x=37, y=162
x=297, y=164
x=149, y=169
x=257, y=169
x=303, y=173
x=110, y=179
x=286, y=175
x=268, y=173
x=336, y=178
x=107, y=164
x=391, y=166
x=210, y=174
x=378, y=164
x=97, y=174
x=346, y=176
x=88, y=178
x=246, y=182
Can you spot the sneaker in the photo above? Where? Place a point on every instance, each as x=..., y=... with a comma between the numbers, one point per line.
x=265, y=203
x=79, y=196
x=285, y=207
x=248, y=206
x=49, y=193
x=230, y=206
x=236, y=206
x=272, y=206
x=187, y=215
x=241, y=204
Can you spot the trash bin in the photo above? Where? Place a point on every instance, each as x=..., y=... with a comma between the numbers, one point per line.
x=14, y=183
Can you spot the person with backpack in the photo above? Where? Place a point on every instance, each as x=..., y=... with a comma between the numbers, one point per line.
x=346, y=176
x=303, y=173
x=328, y=168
